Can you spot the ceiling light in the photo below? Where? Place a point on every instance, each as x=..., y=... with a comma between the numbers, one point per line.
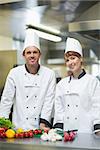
x=50, y=29
x=48, y=36
x=45, y=34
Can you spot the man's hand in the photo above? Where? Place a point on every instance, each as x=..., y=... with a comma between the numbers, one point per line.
x=43, y=127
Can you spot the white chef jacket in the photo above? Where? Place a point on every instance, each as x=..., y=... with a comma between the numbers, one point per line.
x=32, y=96
x=77, y=103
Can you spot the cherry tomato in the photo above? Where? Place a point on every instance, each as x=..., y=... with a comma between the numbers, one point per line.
x=35, y=131
x=39, y=131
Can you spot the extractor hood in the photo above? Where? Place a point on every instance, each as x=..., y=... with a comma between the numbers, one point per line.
x=91, y=28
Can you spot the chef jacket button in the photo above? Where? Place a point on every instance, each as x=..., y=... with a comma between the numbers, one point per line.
x=76, y=105
x=35, y=83
x=27, y=118
x=35, y=118
x=68, y=105
x=75, y=118
x=34, y=107
x=25, y=74
x=35, y=96
x=27, y=107
x=67, y=91
x=67, y=117
x=27, y=96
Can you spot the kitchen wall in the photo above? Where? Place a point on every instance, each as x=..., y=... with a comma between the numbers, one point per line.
x=6, y=43
x=8, y=58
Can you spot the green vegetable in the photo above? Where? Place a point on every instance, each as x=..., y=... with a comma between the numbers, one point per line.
x=60, y=132
x=6, y=123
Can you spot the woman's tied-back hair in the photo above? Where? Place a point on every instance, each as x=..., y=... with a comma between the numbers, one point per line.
x=71, y=53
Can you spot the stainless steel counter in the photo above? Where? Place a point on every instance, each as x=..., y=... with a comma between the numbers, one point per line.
x=81, y=142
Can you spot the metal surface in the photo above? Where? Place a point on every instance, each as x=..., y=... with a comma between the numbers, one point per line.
x=61, y=15
x=57, y=14
x=89, y=29
x=81, y=142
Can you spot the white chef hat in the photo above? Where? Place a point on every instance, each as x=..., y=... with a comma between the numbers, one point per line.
x=73, y=45
x=31, y=39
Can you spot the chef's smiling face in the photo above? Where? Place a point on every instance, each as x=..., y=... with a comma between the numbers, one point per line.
x=32, y=55
x=74, y=64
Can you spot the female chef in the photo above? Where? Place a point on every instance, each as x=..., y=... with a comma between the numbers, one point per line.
x=30, y=88
x=77, y=102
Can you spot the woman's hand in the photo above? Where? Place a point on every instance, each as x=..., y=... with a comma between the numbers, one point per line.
x=98, y=133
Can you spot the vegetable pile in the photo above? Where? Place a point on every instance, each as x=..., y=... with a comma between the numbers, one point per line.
x=7, y=130
x=6, y=123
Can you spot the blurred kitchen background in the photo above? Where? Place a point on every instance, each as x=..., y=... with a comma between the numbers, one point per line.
x=58, y=18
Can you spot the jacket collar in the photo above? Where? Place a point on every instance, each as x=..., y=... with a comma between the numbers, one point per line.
x=82, y=74
x=28, y=70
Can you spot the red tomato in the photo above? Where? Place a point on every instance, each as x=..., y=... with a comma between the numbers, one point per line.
x=39, y=131
x=26, y=134
x=35, y=131
x=30, y=134
x=21, y=135
x=17, y=135
x=66, y=136
x=2, y=135
x=2, y=130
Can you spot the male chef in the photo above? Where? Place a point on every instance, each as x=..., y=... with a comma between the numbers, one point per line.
x=30, y=88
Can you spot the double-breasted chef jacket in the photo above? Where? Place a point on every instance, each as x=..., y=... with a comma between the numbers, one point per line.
x=32, y=97
x=77, y=104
